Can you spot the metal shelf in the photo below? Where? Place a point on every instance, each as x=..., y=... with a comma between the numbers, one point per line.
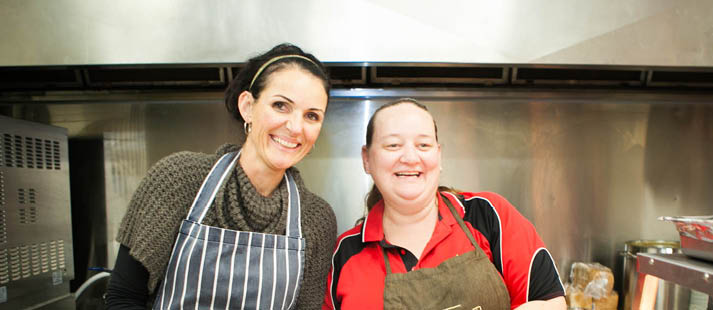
x=679, y=269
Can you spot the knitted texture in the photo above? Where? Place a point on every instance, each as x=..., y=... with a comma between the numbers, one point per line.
x=165, y=195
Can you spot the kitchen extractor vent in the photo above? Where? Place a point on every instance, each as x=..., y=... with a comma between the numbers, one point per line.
x=111, y=77
x=347, y=75
x=577, y=76
x=39, y=77
x=29, y=152
x=30, y=260
x=681, y=78
x=400, y=75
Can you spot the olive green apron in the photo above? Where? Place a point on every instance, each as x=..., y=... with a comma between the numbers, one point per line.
x=468, y=281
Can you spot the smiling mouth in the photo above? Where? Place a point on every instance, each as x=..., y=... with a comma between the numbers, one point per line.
x=284, y=143
x=408, y=174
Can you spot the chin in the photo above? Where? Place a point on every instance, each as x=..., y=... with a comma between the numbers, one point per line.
x=410, y=196
x=284, y=162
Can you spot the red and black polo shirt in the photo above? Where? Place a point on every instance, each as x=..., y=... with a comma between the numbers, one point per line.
x=356, y=279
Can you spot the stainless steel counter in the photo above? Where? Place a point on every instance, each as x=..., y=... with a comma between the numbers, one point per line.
x=678, y=268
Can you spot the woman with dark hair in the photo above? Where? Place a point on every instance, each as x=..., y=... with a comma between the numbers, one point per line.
x=238, y=228
x=425, y=247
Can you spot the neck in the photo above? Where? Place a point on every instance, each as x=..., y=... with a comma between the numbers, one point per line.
x=410, y=227
x=401, y=216
x=264, y=178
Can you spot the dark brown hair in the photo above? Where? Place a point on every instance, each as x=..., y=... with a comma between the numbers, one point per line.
x=242, y=81
x=374, y=196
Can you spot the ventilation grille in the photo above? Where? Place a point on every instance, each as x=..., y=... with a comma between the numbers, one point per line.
x=578, y=76
x=347, y=75
x=141, y=76
x=28, y=152
x=39, y=78
x=396, y=75
x=2, y=189
x=3, y=226
x=27, y=198
x=31, y=260
x=681, y=78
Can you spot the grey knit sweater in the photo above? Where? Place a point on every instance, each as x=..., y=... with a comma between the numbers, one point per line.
x=164, y=197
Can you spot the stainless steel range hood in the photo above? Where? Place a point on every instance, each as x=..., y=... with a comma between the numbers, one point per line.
x=606, y=32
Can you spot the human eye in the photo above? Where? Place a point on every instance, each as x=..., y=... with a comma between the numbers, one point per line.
x=313, y=116
x=392, y=145
x=280, y=106
x=424, y=145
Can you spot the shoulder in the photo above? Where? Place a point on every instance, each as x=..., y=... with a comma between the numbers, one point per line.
x=182, y=163
x=486, y=199
x=487, y=204
x=348, y=244
x=172, y=176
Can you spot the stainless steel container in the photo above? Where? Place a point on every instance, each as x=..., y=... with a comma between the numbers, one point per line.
x=669, y=295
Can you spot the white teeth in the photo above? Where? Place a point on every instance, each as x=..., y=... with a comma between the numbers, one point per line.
x=284, y=143
x=408, y=174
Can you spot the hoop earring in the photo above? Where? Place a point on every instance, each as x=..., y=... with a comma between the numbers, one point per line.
x=247, y=127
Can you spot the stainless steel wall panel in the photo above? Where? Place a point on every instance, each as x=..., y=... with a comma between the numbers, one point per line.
x=591, y=169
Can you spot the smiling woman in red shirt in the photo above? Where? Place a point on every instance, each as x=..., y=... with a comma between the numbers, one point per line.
x=422, y=246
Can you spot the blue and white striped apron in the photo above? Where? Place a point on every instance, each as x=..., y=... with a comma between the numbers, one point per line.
x=216, y=268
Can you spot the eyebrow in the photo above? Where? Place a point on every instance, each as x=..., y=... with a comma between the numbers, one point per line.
x=288, y=99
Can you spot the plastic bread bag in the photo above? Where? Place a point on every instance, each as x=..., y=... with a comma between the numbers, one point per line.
x=576, y=299
x=594, y=279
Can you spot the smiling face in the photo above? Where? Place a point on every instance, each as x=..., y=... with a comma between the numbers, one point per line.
x=404, y=157
x=286, y=119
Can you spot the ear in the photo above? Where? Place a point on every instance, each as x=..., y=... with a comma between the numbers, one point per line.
x=365, y=159
x=245, y=105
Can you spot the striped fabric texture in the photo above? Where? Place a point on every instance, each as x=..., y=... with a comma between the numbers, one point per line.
x=216, y=268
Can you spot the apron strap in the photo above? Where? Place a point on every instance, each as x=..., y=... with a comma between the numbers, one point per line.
x=294, y=224
x=460, y=221
x=386, y=261
x=212, y=183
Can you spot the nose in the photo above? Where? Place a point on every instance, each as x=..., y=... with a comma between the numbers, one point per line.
x=409, y=155
x=294, y=124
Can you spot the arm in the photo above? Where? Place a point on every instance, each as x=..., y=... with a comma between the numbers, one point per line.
x=128, y=285
x=519, y=254
x=552, y=304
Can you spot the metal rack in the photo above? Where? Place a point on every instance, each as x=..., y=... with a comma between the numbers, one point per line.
x=676, y=268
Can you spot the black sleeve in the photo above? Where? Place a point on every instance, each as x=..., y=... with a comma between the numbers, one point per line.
x=544, y=281
x=128, y=287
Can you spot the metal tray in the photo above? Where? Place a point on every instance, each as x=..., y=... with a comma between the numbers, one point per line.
x=696, y=234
